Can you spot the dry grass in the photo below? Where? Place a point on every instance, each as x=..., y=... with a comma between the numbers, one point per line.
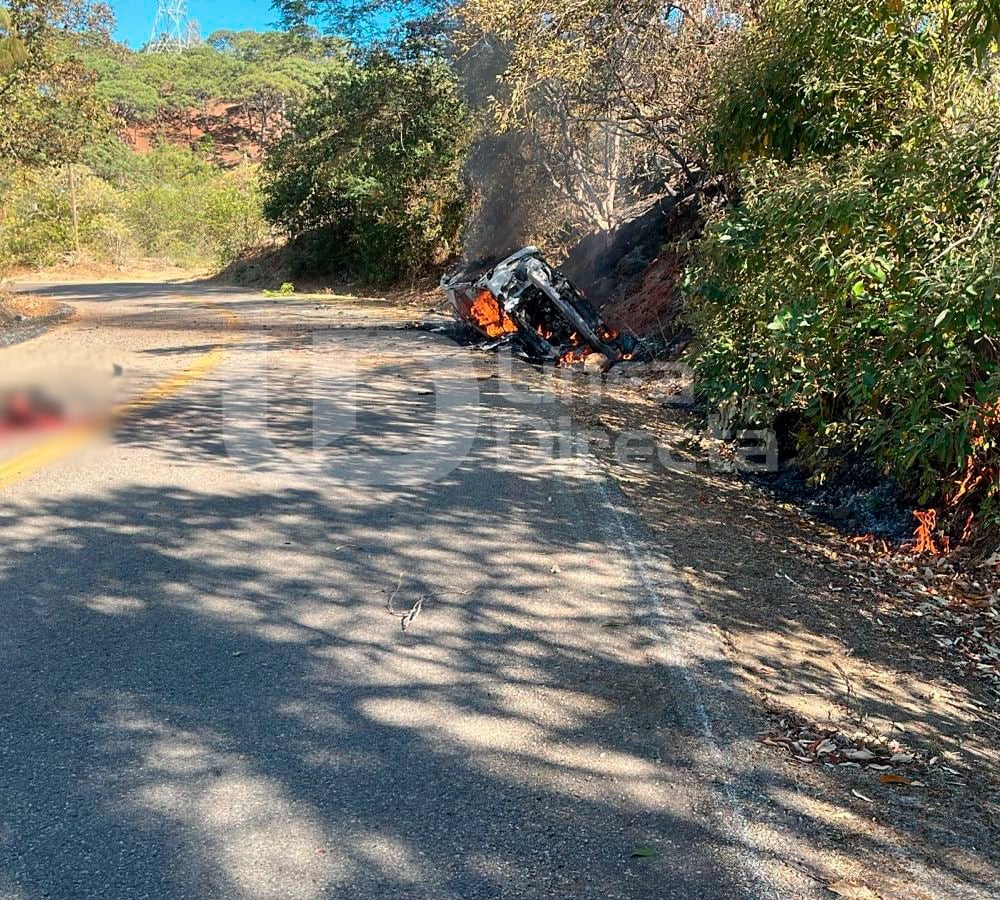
x=16, y=308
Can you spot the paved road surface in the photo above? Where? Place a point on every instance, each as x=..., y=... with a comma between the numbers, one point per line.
x=204, y=694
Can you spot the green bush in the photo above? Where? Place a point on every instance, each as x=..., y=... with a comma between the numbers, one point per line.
x=367, y=179
x=852, y=286
x=861, y=294
x=816, y=76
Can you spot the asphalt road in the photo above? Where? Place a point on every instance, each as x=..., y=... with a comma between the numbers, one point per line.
x=204, y=694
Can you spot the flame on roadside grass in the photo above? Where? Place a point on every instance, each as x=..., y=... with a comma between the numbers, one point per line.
x=924, y=536
x=927, y=539
x=875, y=545
x=962, y=502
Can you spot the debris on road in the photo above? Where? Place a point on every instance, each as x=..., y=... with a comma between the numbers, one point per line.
x=852, y=890
x=410, y=616
x=959, y=602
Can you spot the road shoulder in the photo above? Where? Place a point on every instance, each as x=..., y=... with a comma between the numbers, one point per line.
x=823, y=647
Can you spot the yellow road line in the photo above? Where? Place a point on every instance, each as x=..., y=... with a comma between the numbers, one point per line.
x=20, y=467
x=172, y=386
x=45, y=454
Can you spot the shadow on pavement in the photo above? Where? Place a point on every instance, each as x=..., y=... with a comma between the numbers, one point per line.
x=205, y=695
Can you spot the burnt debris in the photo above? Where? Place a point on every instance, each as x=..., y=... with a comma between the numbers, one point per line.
x=526, y=303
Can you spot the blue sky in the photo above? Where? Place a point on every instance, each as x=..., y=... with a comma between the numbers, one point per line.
x=135, y=17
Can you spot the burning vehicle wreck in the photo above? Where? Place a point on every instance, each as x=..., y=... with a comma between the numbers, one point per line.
x=526, y=303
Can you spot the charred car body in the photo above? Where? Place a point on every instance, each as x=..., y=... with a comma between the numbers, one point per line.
x=525, y=302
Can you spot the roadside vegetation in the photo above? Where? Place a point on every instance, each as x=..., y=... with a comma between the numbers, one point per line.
x=367, y=178
x=113, y=156
x=171, y=204
x=851, y=288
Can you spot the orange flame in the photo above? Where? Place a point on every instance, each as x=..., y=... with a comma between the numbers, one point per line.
x=487, y=315
x=925, y=532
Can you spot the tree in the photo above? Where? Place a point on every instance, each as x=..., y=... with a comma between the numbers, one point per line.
x=120, y=85
x=265, y=73
x=981, y=22
x=266, y=94
x=372, y=163
x=279, y=69
x=818, y=76
x=606, y=91
x=268, y=48
x=48, y=105
x=12, y=51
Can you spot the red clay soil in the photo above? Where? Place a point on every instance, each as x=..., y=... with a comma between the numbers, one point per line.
x=234, y=139
x=651, y=307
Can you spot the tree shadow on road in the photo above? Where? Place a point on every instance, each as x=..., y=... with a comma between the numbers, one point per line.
x=206, y=696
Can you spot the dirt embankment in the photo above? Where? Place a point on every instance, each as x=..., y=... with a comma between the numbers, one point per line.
x=633, y=273
x=23, y=316
x=222, y=127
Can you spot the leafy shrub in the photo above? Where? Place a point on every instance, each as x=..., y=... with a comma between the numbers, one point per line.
x=816, y=76
x=287, y=289
x=852, y=289
x=171, y=204
x=36, y=228
x=367, y=179
x=861, y=294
